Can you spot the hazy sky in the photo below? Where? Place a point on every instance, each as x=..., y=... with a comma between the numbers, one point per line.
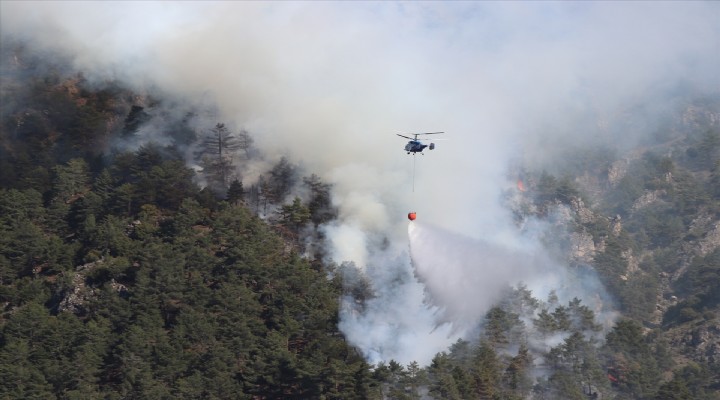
x=330, y=84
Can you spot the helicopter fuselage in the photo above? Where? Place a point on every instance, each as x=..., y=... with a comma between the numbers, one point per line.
x=414, y=146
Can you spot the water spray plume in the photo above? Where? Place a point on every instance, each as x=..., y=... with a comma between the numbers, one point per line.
x=464, y=277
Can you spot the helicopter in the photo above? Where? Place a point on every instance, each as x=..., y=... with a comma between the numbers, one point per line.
x=414, y=145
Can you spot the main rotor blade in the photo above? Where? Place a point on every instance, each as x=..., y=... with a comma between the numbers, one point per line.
x=406, y=137
x=427, y=133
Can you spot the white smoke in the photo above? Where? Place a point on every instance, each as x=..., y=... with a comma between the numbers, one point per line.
x=329, y=84
x=395, y=324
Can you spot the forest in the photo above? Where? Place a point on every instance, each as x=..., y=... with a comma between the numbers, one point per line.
x=127, y=274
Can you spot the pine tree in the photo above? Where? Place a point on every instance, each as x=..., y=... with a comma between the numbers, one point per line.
x=294, y=215
x=517, y=377
x=216, y=152
x=135, y=118
x=282, y=178
x=71, y=179
x=320, y=204
x=235, y=193
x=486, y=371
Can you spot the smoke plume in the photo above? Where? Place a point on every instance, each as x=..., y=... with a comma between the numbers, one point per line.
x=329, y=84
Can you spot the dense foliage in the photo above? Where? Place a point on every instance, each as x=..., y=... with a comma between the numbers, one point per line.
x=168, y=299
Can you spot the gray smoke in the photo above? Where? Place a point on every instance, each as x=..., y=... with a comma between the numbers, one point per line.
x=329, y=84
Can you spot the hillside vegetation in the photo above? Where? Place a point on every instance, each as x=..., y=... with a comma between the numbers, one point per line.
x=122, y=277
